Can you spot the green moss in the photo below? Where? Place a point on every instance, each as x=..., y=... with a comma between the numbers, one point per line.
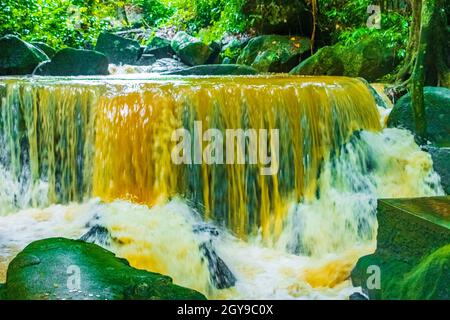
x=43, y=270
x=430, y=279
x=412, y=250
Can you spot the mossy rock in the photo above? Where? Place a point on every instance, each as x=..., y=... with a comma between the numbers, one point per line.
x=49, y=269
x=429, y=280
x=119, y=50
x=190, y=50
x=216, y=70
x=49, y=51
x=18, y=57
x=160, y=48
x=274, y=53
x=369, y=58
x=74, y=62
x=437, y=111
x=412, y=255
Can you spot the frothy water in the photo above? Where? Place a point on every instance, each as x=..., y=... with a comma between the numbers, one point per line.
x=321, y=238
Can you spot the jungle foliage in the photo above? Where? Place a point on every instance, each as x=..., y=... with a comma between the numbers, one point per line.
x=77, y=23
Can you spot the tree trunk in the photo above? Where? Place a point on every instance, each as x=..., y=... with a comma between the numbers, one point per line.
x=425, y=63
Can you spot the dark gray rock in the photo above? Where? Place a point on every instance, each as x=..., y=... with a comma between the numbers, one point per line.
x=191, y=50
x=215, y=70
x=74, y=62
x=18, y=57
x=119, y=50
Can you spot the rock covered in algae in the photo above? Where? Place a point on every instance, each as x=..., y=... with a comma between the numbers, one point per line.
x=190, y=50
x=59, y=268
x=369, y=58
x=437, y=111
x=119, y=50
x=274, y=53
x=216, y=70
x=412, y=260
x=74, y=62
x=18, y=57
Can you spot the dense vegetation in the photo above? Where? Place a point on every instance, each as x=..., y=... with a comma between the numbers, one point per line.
x=77, y=23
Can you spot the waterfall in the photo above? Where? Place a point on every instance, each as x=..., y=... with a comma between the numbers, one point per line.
x=67, y=141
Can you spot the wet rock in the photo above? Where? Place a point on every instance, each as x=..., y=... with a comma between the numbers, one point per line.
x=274, y=53
x=146, y=60
x=49, y=51
x=167, y=65
x=73, y=269
x=221, y=275
x=190, y=50
x=357, y=296
x=97, y=234
x=216, y=70
x=441, y=164
x=160, y=48
x=119, y=50
x=437, y=111
x=18, y=57
x=370, y=59
x=74, y=62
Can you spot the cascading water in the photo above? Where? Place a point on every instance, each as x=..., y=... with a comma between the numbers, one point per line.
x=93, y=158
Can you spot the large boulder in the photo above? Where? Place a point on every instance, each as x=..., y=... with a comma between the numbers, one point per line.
x=274, y=53
x=49, y=51
x=160, y=48
x=18, y=57
x=412, y=259
x=59, y=268
x=119, y=50
x=191, y=50
x=324, y=62
x=215, y=70
x=370, y=58
x=437, y=111
x=74, y=62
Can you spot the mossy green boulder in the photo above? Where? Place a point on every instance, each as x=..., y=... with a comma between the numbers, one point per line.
x=274, y=53
x=74, y=62
x=370, y=58
x=59, y=268
x=18, y=57
x=215, y=70
x=190, y=50
x=437, y=111
x=119, y=50
x=412, y=259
